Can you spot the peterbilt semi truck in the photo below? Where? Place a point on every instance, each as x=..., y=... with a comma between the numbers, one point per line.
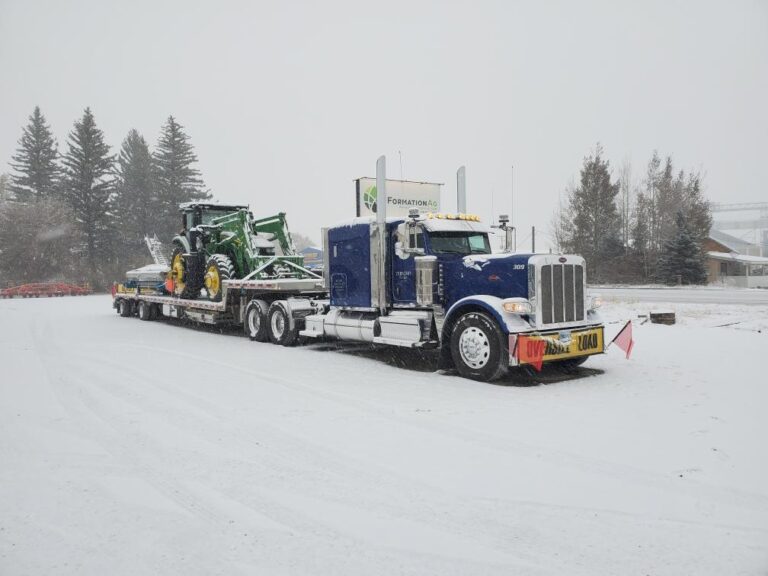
x=425, y=281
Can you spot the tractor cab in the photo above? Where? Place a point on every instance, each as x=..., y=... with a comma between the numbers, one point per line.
x=200, y=213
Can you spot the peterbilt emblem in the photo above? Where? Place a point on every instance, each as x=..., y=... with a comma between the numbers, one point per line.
x=562, y=259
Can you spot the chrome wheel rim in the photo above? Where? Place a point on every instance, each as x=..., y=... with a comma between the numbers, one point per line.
x=278, y=325
x=254, y=321
x=474, y=347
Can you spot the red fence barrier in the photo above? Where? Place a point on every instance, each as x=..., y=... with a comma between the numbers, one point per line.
x=46, y=289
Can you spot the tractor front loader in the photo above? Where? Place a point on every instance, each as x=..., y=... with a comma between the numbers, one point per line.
x=220, y=243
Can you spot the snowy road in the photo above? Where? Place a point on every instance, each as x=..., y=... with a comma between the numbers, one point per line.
x=703, y=295
x=129, y=447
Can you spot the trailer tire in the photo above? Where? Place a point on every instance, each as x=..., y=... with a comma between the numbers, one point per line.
x=478, y=347
x=256, y=325
x=279, y=326
x=145, y=310
x=125, y=308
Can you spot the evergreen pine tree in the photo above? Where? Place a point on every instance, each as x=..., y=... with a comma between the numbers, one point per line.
x=5, y=187
x=87, y=189
x=177, y=179
x=136, y=204
x=595, y=230
x=35, y=161
x=682, y=257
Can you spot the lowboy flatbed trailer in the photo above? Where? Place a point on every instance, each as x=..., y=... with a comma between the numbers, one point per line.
x=148, y=303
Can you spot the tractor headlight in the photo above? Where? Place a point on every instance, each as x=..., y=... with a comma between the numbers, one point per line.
x=517, y=306
x=595, y=302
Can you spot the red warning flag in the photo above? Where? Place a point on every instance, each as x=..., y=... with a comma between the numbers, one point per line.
x=624, y=338
x=531, y=351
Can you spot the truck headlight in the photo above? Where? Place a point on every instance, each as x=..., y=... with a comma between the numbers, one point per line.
x=595, y=302
x=517, y=306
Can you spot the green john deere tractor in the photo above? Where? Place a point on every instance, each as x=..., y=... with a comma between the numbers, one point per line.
x=222, y=242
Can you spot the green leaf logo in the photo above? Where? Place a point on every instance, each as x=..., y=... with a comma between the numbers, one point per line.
x=369, y=198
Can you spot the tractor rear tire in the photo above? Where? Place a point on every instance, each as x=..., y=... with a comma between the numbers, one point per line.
x=256, y=325
x=217, y=269
x=184, y=286
x=280, y=331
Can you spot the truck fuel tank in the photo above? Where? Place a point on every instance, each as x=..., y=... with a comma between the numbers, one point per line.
x=426, y=279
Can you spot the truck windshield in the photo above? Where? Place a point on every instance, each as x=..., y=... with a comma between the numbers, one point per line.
x=459, y=243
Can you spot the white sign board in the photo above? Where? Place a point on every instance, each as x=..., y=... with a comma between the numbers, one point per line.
x=402, y=195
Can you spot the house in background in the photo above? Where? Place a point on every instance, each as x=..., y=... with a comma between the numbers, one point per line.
x=734, y=262
x=313, y=257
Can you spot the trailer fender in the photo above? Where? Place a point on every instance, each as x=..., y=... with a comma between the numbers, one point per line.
x=296, y=309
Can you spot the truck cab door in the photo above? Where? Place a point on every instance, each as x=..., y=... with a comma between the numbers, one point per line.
x=403, y=268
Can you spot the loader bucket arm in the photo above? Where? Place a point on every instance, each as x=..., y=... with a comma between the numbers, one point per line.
x=277, y=226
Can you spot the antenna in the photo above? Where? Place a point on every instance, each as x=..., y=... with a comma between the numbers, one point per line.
x=400, y=155
x=512, y=199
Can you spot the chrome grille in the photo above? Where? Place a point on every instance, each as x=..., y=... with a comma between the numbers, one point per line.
x=562, y=293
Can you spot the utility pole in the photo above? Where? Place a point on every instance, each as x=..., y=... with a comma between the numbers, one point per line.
x=533, y=239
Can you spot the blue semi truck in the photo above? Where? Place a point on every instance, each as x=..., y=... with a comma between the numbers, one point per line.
x=426, y=281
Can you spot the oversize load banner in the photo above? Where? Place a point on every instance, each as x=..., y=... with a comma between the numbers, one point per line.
x=536, y=349
x=402, y=195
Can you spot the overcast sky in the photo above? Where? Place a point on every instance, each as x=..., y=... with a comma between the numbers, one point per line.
x=288, y=102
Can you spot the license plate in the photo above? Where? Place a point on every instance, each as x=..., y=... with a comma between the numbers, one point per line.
x=561, y=345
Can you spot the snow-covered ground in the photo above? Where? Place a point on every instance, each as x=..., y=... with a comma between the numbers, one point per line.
x=131, y=447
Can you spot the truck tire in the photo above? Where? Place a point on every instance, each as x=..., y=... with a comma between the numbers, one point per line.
x=279, y=326
x=217, y=269
x=145, y=310
x=478, y=347
x=124, y=308
x=256, y=324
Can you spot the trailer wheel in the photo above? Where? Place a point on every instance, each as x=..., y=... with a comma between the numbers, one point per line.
x=280, y=331
x=145, y=310
x=125, y=308
x=256, y=323
x=477, y=347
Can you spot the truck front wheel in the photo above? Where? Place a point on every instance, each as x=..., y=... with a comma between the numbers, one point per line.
x=478, y=348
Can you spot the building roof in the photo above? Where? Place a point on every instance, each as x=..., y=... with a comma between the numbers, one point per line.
x=731, y=242
x=733, y=257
